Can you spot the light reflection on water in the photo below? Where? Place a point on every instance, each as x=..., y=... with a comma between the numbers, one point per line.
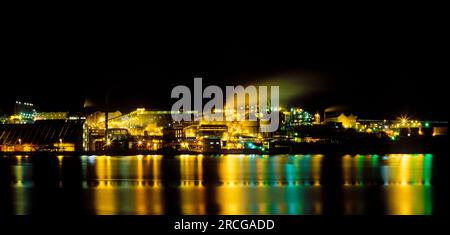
x=22, y=182
x=270, y=185
x=236, y=184
x=405, y=180
x=246, y=184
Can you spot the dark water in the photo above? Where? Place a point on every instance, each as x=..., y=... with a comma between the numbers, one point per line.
x=400, y=184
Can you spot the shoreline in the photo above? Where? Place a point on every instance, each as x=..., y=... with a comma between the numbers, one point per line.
x=406, y=147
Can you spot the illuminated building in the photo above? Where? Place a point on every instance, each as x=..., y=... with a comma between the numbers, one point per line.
x=117, y=138
x=217, y=130
x=347, y=121
x=94, y=130
x=24, y=113
x=291, y=121
x=155, y=129
x=317, y=118
x=4, y=119
x=406, y=127
x=191, y=131
x=51, y=116
x=173, y=136
x=97, y=119
x=48, y=135
x=143, y=122
x=298, y=117
x=211, y=143
x=145, y=129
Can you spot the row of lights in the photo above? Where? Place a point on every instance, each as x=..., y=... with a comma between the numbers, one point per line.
x=20, y=141
x=27, y=104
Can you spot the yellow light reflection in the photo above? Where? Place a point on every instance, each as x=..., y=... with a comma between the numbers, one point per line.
x=230, y=196
x=155, y=199
x=60, y=159
x=192, y=192
x=104, y=192
x=408, y=195
x=128, y=185
x=402, y=178
x=316, y=164
x=346, y=169
x=140, y=192
x=20, y=190
x=255, y=184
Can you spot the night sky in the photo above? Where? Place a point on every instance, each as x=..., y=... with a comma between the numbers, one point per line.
x=374, y=69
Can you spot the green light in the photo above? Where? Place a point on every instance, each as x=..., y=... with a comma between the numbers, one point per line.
x=392, y=137
x=427, y=124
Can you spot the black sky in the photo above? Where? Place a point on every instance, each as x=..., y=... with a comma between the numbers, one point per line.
x=376, y=68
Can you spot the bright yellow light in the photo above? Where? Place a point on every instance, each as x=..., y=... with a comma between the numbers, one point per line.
x=184, y=145
x=403, y=119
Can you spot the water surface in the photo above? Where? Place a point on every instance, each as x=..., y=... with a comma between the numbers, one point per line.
x=218, y=184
